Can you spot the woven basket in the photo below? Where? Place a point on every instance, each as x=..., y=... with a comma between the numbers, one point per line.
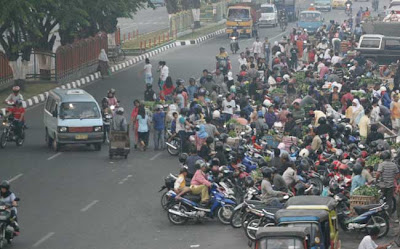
x=360, y=200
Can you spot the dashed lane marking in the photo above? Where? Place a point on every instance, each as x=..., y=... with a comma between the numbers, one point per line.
x=15, y=177
x=42, y=240
x=54, y=156
x=157, y=155
x=89, y=206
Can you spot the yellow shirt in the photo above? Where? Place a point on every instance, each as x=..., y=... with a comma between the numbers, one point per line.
x=180, y=182
x=364, y=126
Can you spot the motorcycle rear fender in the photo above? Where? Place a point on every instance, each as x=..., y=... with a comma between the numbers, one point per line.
x=228, y=201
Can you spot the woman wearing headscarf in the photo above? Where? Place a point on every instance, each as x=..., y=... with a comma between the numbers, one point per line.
x=200, y=137
x=103, y=63
x=357, y=112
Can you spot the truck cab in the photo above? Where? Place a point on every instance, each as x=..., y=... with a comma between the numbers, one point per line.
x=310, y=20
x=242, y=16
x=379, y=48
x=269, y=15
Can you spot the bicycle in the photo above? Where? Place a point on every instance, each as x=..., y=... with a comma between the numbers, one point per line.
x=116, y=54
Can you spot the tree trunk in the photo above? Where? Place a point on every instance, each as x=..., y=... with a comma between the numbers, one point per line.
x=20, y=69
x=44, y=60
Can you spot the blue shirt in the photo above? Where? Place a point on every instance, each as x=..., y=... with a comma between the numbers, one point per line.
x=356, y=182
x=191, y=91
x=159, y=121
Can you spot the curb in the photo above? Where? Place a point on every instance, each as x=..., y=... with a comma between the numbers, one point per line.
x=40, y=98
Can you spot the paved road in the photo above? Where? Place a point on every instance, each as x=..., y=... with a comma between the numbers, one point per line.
x=78, y=198
x=146, y=20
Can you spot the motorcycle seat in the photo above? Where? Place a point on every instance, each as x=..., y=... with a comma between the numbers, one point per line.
x=365, y=208
x=257, y=204
x=194, y=198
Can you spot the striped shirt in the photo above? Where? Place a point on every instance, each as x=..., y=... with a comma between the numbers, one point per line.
x=388, y=171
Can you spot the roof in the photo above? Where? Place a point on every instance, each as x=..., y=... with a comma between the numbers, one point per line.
x=282, y=232
x=301, y=215
x=267, y=5
x=73, y=95
x=379, y=36
x=328, y=202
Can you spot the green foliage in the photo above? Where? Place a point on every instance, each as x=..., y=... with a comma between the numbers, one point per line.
x=232, y=133
x=367, y=191
x=373, y=160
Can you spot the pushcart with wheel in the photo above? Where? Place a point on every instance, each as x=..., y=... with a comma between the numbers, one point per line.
x=119, y=144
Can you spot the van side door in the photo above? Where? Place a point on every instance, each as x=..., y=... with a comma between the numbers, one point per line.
x=391, y=51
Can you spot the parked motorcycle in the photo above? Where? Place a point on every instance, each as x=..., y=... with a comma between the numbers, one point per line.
x=265, y=218
x=234, y=44
x=9, y=135
x=368, y=216
x=188, y=208
x=240, y=210
x=173, y=146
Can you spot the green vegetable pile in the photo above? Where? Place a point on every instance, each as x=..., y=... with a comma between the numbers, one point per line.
x=232, y=133
x=367, y=191
x=373, y=160
x=257, y=175
x=278, y=91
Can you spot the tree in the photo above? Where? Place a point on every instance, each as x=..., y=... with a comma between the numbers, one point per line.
x=15, y=27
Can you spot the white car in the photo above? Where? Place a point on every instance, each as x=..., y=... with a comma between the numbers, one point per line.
x=269, y=15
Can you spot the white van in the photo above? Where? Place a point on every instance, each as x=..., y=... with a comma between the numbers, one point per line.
x=269, y=15
x=72, y=117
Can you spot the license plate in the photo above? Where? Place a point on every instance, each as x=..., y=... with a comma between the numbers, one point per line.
x=2, y=207
x=81, y=137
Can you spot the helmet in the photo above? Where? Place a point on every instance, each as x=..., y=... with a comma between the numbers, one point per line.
x=286, y=77
x=364, y=154
x=216, y=114
x=215, y=161
x=334, y=189
x=219, y=146
x=16, y=88
x=112, y=90
x=267, y=103
x=304, y=153
x=357, y=169
x=266, y=172
x=200, y=164
x=224, y=169
x=227, y=148
x=183, y=157
x=304, y=165
x=5, y=184
x=274, y=170
x=184, y=111
x=18, y=102
x=223, y=137
x=385, y=155
x=343, y=166
x=242, y=167
x=120, y=110
x=249, y=181
x=322, y=120
x=180, y=82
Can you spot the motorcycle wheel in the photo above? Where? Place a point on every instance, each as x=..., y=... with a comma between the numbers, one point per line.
x=236, y=218
x=252, y=228
x=225, y=214
x=172, y=151
x=246, y=219
x=176, y=219
x=3, y=236
x=381, y=222
x=3, y=140
x=164, y=201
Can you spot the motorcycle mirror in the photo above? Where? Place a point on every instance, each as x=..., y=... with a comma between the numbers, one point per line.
x=286, y=197
x=17, y=199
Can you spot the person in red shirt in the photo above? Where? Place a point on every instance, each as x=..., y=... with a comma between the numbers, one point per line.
x=134, y=114
x=18, y=112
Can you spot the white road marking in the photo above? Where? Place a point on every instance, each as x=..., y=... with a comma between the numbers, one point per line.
x=46, y=237
x=54, y=156
x=125, y=179
x=157, y=155
x=15, y=178
x=89, y=206
x=194, y=246
x=278, y=35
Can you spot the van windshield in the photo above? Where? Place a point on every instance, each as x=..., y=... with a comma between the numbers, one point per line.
x=267, y=10
x=310, y=17
x=281, y=243
x=79, y=110
x=240, y=14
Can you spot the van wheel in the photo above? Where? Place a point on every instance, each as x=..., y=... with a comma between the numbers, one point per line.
x=97, y=146
x=56, y=145
x=48, y=139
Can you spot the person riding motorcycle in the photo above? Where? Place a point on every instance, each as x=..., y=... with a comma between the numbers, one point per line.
x=10, y=200
x=199, y=184
x=18, y=112
x=112, y=100
x=223, y=60
x=283, y=17
x=268, y=195
x=13, y=97
x=235, y=33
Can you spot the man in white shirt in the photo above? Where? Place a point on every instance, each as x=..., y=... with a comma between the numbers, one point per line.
x=368, y=241
x=336, y=58
x=164, y=72
x=228, y=107
x=257, y=47
x=242, y=60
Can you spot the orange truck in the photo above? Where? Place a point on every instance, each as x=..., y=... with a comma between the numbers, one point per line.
x=242, y=16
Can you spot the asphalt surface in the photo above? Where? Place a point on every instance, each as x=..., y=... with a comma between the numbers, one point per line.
x=145, y=20
x=78, y=198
